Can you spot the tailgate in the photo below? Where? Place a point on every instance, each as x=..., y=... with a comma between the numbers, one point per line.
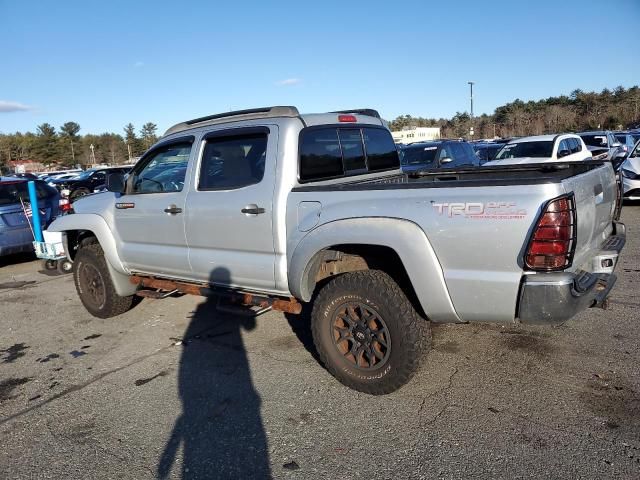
x=13, y=215
x=595, y=196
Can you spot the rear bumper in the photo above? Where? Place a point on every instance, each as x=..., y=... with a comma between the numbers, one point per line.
x=15, y=240
x=553, y=298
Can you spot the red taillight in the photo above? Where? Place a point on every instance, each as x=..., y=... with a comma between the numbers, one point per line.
x=64, y=205
x=553, y=240
x=347, y=118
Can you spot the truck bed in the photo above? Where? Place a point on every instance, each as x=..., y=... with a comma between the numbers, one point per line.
x=507, y=175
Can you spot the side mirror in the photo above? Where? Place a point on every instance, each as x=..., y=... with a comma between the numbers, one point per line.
x=445, y=160
x=616, y=145
x=563, y=153
x=116, y=183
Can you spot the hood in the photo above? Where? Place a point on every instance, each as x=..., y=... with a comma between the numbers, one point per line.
x=632, y=164
x=97, y=203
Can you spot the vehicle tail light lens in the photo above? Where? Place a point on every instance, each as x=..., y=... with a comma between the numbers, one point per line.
x=347, y=118
x=553, y=240
x=64, y=205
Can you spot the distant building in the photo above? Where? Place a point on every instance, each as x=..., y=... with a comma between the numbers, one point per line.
x=25, y=166
x=418, y=134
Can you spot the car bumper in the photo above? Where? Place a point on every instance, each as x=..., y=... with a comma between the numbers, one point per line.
x=553, y=298
x=630, y=188
x=15, y=240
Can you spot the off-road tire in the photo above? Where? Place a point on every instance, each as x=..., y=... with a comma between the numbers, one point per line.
x=90, y=261
x=80, y=192
x=410, y=334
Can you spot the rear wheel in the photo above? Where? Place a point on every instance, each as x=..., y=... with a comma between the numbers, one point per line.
x=94, y=285
x=367, y=332
x=80, y=192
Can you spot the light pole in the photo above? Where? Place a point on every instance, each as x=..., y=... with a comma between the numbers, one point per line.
x=471, y=99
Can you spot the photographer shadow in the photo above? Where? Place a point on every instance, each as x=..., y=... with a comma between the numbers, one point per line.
x=220, y=428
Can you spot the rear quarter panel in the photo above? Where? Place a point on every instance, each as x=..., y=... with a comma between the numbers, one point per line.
x=478, y=235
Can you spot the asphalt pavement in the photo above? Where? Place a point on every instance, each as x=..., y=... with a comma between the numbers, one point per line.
x=175, y=389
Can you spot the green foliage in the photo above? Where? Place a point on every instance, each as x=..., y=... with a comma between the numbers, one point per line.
x=46, y=147
x=70, y=130
x=148, y=134
x=132, y=141
x=610, y=109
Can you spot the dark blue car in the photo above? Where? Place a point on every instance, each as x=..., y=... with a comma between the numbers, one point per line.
x=15, y=233
x=437, y=154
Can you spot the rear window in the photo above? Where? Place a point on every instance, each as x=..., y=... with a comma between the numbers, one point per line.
x=539, y=149
x=333, y=152
x=595, y=140
x=12, y=192
x=418, y=155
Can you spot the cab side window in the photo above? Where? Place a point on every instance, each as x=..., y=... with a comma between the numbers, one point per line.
x=163, y=171
x=563, y=147
x=575, y=144
x=233, y=162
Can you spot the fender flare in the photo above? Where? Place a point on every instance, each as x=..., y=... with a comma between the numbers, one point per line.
x=98, y=226
x=406, y=238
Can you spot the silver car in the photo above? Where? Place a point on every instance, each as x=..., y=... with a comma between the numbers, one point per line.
x=631, y=174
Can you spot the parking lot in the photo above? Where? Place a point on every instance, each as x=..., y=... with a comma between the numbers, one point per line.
x=176, y=389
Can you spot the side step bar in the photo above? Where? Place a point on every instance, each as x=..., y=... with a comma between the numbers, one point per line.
x=150, y=288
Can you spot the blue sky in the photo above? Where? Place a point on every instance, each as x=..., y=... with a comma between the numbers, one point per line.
x=104, y=64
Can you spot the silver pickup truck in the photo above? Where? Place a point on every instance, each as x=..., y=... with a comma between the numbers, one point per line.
x=273, y=209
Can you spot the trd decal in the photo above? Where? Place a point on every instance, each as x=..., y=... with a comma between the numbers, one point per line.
x=479, y=210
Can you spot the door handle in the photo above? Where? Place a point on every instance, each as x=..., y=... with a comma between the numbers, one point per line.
x=172, y=210
x=252, y=209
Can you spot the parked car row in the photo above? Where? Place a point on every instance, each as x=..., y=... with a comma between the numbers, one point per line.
x=542, y=148
x=593, y=145
x=86, y=182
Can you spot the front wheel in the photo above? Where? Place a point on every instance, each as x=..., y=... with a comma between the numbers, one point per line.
x=94, y=285
x=367, y=333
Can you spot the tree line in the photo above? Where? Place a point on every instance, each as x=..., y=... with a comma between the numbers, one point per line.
x=66, y=147
x=608, y=109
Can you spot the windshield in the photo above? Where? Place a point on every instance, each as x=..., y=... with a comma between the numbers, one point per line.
x=595, y=140
x=418, y=155
x=539, y=149
x=621, y=138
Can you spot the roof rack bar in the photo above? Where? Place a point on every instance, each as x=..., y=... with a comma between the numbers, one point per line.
x=264, y=112
x=362, y=111
x=278, y=110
